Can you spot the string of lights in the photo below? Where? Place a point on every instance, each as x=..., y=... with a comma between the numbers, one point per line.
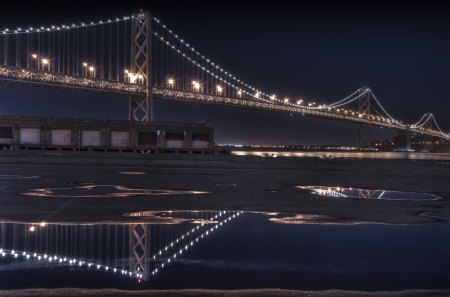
x=423, y=120
x=62, y=27
x=190, y=232
x=201, y=67
x=384, y=110
x=207, y=60
x=194, y=241
x=66, y=261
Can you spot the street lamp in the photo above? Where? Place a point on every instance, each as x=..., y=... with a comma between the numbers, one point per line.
x=35, y=58
x=196, y=86
x=46, y=62
x=219, y=90
x=92, y=71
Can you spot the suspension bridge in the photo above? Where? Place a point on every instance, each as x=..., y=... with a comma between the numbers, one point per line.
x=141, y=58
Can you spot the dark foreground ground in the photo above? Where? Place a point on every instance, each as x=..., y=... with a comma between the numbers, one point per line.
x=254, y=177
x=221, y=293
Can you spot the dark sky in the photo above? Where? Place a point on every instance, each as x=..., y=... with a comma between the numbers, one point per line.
x=320, y=51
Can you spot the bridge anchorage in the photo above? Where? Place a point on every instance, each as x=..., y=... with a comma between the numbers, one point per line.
x=139, y=57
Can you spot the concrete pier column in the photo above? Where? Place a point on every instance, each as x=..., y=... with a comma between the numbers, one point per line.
x=404, y=139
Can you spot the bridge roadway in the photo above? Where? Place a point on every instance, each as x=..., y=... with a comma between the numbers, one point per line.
x=25, y=76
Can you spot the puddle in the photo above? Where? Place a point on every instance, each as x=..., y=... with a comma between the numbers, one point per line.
x=299, y=219
x=234, y=250
x=342, y=192
x=177, y=216
x=89, y=190
x=440, y=215
x=8, y=177
x=272, y=190
x=226, y=185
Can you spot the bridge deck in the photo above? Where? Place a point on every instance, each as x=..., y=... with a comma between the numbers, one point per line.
x=26, y=76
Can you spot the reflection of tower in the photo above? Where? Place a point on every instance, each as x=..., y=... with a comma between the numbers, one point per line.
x=139, y=249
x=363, y=193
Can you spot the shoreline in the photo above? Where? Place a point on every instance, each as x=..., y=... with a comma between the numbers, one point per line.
x=67, y=292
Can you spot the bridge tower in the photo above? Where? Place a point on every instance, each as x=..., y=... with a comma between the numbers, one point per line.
x=404, y=139
x=139, y=249
x=141, y=107
x=365, y=135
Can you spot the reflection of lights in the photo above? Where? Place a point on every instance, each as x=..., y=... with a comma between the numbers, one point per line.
x=192, y=242
x=299, y=219
x=106, y=191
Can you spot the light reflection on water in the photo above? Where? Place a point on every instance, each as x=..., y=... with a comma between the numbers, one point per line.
x=343, y=192
x=89, y=190
x=233, y=250
x=355, y=155
x=11, y=176
x=135, y=250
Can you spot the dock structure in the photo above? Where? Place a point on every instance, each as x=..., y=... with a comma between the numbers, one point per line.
x=72, y=134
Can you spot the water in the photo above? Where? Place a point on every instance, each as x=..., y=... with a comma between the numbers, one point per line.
x=350, y=155
x=342, y=192
x=226, y=250
x=90, y=190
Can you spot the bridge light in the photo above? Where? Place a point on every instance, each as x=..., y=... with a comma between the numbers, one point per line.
x=34, y=56
x=299, y=101
x=219, y=90
x=85, y=64
x=196, y=85
x=286, y=100
x=273, y=97
x=257, y=95
x=91, y=69
x=126, y=71
x=239, y=93
x=45, y=61
x=171, y=82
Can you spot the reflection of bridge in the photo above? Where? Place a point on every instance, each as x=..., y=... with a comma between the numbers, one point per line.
x=141, y=58
x=137, y=250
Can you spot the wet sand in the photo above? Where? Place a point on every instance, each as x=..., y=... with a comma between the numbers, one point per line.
x=234, y=183
x=220, y=293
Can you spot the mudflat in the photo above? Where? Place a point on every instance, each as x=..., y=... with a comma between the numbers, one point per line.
x=230, y=182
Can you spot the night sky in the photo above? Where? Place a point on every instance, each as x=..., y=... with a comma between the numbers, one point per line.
x=320, y=52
